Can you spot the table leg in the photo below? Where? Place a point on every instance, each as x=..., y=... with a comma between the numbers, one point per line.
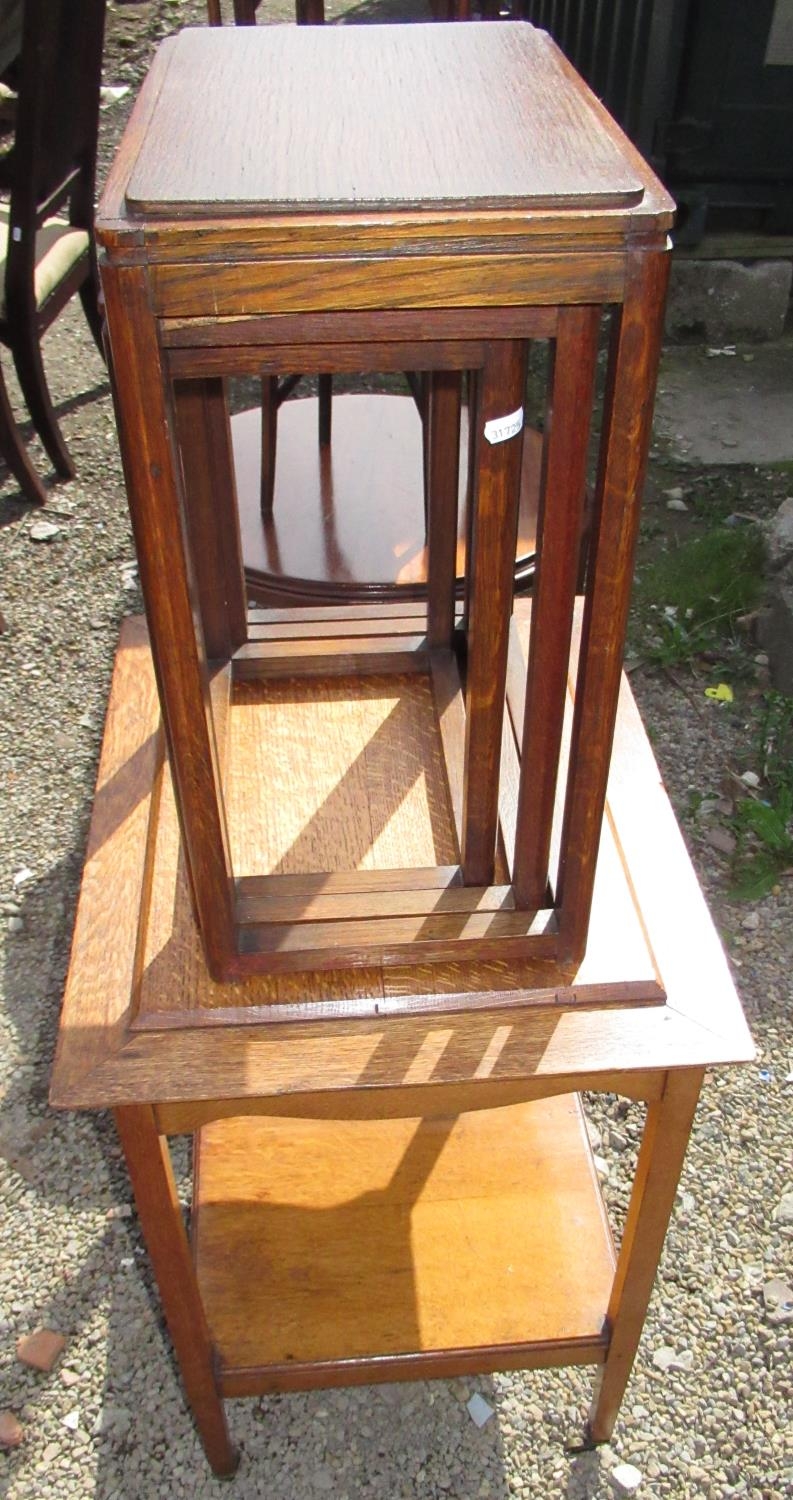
x=203, y=432
x=325, y=404
x=558, y=544
x=269, y=389
x=149, y=1165
x=664, y=1143
x=141, y=391
x=490, y=565
x=627, y=419
x=442, y=438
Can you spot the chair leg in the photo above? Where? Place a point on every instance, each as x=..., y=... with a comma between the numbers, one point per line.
x=325, y=409
x=269, y=435
x=89, y=297
x=15, y=452
x=310, y=12
x=30, y=370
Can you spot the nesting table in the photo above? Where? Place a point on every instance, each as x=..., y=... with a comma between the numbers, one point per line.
x=356, y=909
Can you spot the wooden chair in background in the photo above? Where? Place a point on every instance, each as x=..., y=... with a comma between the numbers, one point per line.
x=46, y=249
x=307, y=12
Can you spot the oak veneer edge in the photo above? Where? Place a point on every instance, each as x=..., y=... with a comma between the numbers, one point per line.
x=80, y=1050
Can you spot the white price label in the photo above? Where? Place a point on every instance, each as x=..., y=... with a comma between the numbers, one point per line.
x=498, y=429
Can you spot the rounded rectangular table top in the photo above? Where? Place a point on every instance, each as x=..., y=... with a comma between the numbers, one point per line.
x=296, y=119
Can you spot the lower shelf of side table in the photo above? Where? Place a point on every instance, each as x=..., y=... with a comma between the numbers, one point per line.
x=348, y=521
x=341, y=1252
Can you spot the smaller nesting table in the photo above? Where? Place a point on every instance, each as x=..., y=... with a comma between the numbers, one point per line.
x=453, y=191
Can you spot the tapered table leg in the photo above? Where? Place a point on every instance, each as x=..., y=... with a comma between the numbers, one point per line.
x=149, y=1164
x=663, y=1148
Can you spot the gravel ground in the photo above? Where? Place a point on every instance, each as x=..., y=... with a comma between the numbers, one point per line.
x=708, y=1409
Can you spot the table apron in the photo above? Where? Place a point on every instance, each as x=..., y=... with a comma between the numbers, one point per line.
x=420, y=1101
x=318, y=285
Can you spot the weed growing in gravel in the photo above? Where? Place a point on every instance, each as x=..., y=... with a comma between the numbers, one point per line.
x=764, y=824
x=688, y=600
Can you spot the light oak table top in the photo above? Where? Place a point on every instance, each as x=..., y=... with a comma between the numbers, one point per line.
x=143, y=1021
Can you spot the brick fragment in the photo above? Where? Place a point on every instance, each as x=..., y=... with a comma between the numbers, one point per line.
x=41, y=1350
x=11, y=1431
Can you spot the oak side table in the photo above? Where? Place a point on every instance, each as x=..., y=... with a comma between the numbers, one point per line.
x=392, y=1179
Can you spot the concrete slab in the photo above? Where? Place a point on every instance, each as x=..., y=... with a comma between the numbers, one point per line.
x=727, y=408
x=720, y=300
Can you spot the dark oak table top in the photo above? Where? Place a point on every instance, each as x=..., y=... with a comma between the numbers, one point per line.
x=354, y=118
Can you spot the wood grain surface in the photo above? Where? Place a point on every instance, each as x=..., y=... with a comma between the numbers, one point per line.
x=105, y=1058
x=499, y=392
x=664, y=1142
x=230, y=131
x=341, y=1237
x=368, y=788
x=145, y=419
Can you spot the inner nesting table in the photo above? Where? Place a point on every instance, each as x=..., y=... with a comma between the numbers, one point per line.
x=343, y=932
x=242, y=234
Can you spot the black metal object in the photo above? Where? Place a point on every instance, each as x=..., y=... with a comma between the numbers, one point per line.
x=627, y=50
x=704, y=88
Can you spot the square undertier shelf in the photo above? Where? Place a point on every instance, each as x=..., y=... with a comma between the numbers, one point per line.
x=341, y=1252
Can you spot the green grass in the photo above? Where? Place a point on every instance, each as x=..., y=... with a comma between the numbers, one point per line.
x=764, y=824
x=687, y=601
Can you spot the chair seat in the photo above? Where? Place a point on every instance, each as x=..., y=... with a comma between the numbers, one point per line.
x=59, y=246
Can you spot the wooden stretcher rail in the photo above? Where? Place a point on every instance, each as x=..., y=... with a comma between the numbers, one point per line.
x=362, y=903
x=272, y=1379
x=330, y=657
x=349, y=882
x=320, y=359
x=387, y=611
x=360, y=943
x=340, y=630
